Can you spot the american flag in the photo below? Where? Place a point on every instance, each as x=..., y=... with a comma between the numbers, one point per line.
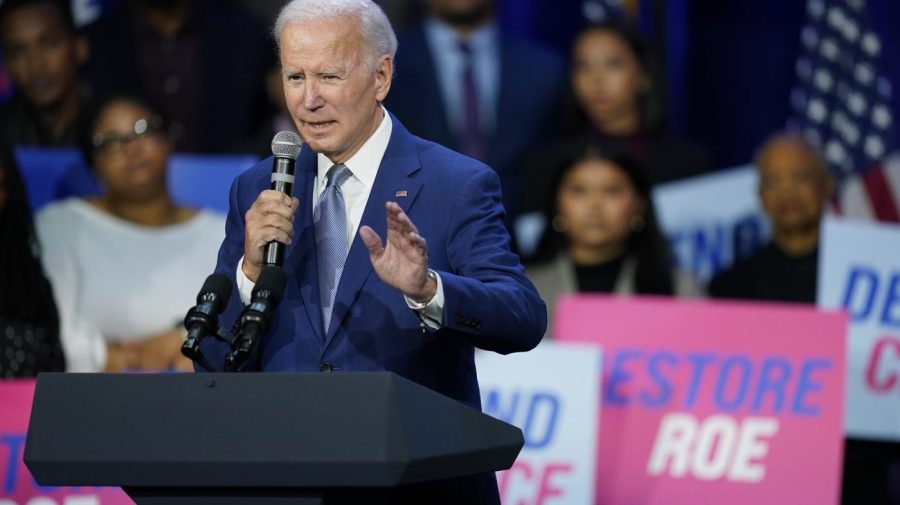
x=841, y=103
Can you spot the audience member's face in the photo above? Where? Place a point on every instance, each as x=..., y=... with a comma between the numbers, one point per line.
x=792, y=187
x=40, y=53
x=598, y=202
x=131, y=163
x=331, y=94
x=606, y=76
x=461, y=12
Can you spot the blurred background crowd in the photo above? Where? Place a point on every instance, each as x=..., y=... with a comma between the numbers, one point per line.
x=583, y=107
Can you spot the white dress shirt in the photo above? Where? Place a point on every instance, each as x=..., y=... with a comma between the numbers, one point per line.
x=364, y=167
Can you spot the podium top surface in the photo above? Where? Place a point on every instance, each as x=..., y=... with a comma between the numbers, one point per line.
x=258, y=429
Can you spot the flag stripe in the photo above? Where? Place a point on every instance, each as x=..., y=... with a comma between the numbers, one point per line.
x=880, y=196
x=892, y=173
x=841, y=102
x=854, y=201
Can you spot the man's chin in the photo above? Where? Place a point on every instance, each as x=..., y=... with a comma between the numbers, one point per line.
x=313, y=145
x=796, y=225
x=44, y=100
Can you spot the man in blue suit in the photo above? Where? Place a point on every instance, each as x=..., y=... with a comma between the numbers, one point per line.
x=367, y=289
x=465, y=84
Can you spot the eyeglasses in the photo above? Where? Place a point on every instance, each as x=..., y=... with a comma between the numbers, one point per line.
x=143, y=128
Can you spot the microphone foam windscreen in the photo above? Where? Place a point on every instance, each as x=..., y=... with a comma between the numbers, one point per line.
x=272, y=279
x=286, y=145
x=218, y=285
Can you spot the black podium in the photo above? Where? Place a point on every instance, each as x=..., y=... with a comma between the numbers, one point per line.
x=261, y=439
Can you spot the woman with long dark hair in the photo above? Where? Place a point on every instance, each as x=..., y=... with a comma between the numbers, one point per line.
x=604, y=236
x=616, y=96
x=29, y=326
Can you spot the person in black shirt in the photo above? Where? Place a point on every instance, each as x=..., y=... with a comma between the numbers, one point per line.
x=203, y=61
x=29, y=325
x=794, y=186
x=42, y=52
x=604, y=236
x=617, y=98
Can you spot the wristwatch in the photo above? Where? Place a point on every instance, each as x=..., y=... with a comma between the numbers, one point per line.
x=417, y=305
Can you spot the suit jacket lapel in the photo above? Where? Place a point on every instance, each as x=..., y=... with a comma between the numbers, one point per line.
x=508, y=100
x=392, y=183
x=306, y=271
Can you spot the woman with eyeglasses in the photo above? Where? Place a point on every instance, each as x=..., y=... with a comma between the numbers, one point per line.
x=126, y=265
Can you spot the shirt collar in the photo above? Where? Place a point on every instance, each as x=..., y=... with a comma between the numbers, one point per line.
x=445, y=35
x=364, y=164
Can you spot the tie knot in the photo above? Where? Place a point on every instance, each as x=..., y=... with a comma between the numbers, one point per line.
x=465, y=48
x=336, y=175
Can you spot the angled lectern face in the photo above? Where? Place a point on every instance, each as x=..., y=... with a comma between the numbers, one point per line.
x=261, y=439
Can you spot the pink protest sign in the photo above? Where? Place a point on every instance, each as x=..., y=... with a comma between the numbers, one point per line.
x=18, y=487
x=714, y=402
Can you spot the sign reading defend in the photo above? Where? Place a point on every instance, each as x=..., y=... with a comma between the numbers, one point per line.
x=859, y=270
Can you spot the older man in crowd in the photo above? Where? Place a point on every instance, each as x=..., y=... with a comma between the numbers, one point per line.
x=794, y=187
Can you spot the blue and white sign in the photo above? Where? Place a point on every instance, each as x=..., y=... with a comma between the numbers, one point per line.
x=552, y=393
x=712, y=219
x=859, y=270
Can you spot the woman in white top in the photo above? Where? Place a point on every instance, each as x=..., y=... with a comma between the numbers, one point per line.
x=126, y=265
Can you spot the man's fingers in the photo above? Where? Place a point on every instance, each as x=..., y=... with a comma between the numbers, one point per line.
x=279, y=208
x=270, y=201
x=278, y=222
x=371, y=240
x=398, y=219
x=270, y=234
x=418, y=241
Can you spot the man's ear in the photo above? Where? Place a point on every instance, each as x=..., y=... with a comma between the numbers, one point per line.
x=384, y=74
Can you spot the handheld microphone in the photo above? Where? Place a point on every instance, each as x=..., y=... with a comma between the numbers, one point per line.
x=203, y=319
x=286, y=148
x=257, y=317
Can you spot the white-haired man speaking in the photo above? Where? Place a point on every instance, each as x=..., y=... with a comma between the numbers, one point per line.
x=396, y=254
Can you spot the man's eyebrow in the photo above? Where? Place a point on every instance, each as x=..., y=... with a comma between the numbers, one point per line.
x=325, y=71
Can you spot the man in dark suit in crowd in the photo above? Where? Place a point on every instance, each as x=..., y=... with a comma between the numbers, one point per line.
x=463, y=84
x=365, y=290
x=42, y=52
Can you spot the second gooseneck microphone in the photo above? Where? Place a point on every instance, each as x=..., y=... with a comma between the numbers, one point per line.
x=286, y=148
x=256, y=318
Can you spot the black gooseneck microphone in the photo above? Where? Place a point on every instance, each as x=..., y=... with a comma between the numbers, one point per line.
x=203, y=319
x=257, y=317
x=286, y=148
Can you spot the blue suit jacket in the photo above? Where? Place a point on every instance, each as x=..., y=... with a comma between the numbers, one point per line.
x=455, y=203
x=531, y=88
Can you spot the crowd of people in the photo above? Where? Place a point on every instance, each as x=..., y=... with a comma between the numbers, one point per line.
x=101, y=282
